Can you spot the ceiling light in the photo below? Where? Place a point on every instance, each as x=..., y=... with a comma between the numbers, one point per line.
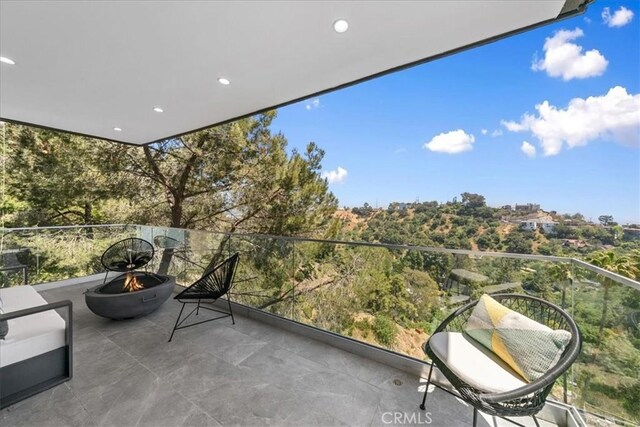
x=223, y=81
x=341, y=25
x=117, y=129
x=158, y=109
x=6, y=60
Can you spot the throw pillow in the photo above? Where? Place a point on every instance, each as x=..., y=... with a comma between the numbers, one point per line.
x=528, y=347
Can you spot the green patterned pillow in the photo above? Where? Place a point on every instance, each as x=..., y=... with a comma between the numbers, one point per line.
x=527, y=346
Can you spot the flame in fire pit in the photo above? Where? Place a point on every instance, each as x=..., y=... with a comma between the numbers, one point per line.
x=131, y=283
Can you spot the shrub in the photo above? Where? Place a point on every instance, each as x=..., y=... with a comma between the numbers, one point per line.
x=384, y=330
x=631, y=399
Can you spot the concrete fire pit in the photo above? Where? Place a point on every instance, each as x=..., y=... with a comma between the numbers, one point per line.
x=120, y=299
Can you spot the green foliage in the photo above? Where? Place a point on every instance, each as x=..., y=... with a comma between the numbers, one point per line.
x=385, y=330
x=58, y=178
x=617, y=355
x=232, y=177
x=631, y=398
x=518, y=242
x=605, y=220
x=472, y=200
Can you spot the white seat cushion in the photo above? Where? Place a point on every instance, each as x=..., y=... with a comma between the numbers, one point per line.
x=32, y=335
x=474, y=364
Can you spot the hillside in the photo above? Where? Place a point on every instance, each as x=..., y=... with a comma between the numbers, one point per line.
x=471, y=224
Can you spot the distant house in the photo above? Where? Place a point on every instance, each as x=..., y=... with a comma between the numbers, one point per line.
x=507, y=207
x=547, y=226
x=529, y=207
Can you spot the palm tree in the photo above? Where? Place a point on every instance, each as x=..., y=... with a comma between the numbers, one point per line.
x=562, y=275
x=623, y=265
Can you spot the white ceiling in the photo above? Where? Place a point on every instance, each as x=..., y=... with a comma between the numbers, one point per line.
x=88, y=67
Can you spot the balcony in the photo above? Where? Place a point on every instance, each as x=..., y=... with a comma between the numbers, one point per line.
x=298, y=354
x=125, y=373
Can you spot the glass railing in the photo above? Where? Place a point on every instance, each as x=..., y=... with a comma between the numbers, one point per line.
x=47, y=254
x=389, y=296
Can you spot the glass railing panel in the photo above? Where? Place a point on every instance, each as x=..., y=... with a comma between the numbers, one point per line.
x=361, y=292
x=184, y=254
x=606, y=377
x=264, y=278
x=56, y=253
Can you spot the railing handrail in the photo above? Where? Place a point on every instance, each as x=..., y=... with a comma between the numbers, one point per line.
x=54, y=227
x=468, y=252
x=606, y=273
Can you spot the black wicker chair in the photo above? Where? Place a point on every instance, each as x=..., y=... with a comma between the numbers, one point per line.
x=127, y=255
x=524, y=401
x=167, y=243
x=213, y=285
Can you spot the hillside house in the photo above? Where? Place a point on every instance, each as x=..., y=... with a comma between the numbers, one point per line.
x=545, y=225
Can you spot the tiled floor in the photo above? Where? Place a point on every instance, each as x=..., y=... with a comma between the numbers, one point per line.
x=127, y=374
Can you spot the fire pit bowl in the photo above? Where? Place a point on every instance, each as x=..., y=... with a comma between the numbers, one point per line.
x=130, y=295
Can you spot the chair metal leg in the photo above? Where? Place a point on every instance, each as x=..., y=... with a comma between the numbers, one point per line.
x=426, y=389
x=535, y=420
x=198, y=308
x=233, y=321
x=177, y=320
x=475, y=417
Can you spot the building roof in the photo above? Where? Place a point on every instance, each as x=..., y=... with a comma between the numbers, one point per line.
x=95, y=67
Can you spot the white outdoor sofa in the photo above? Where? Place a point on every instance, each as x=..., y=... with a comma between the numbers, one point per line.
x=36, y=353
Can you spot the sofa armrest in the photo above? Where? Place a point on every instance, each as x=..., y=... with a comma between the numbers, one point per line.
x=66, y=304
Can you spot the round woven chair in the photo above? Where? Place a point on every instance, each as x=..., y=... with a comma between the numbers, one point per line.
x=166, y=242
x=527, y=400
x=127, y=255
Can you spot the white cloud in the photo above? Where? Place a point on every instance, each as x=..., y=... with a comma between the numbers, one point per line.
x=496, y=133
x=400, y=150
x=336, y=176
x=453, y=142
x=312, y=103
x=528, y=149
x=514, y=126
x=620, y=17
x=587, y=20
x=614, y=116
x=565, y=59
x=484, y=131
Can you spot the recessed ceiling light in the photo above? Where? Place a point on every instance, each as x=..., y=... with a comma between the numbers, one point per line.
x=117, y=129
x=158, y=109
x=341, y=25
x=6, y=60
x=223, y=81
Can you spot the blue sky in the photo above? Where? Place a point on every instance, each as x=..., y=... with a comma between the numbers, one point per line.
x=384, y=133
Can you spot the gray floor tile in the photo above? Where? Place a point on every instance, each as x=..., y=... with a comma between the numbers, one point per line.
x=54, y=407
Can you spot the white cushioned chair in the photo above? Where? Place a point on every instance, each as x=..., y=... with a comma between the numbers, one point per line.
x=36, y=353
x=483, y=379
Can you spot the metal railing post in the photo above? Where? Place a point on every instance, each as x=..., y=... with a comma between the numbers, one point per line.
x=293, y=280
